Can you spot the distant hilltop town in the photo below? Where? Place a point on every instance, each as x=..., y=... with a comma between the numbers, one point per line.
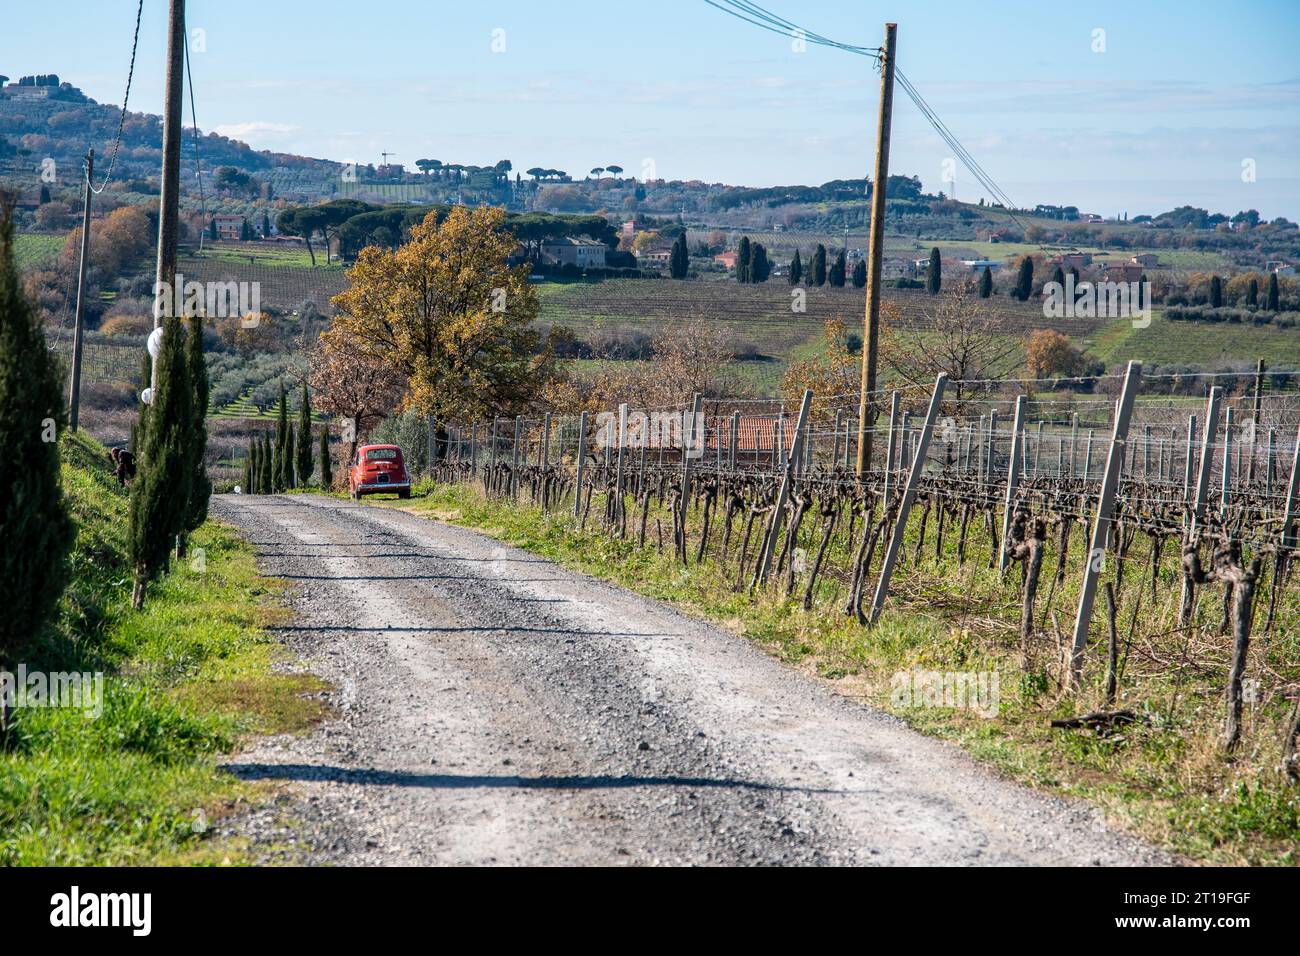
x=40, y=86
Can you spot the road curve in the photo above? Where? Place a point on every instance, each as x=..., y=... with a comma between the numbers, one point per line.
x=494, y=708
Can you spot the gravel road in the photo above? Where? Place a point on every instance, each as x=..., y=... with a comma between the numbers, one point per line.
x=494, y=708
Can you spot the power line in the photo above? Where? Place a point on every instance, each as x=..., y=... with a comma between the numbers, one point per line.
x=962, y=152
x=198, y=160
x=756, y=15
x=781, y=25
x=121, y=120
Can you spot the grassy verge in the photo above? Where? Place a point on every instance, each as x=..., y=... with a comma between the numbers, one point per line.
x=1163, y=777
x=184, y=680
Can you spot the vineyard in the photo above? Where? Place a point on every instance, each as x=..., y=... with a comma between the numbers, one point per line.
x=1132, y=560
x=772, y=316
x=282, y=286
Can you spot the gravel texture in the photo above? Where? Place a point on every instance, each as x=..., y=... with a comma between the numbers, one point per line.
x=494, y=708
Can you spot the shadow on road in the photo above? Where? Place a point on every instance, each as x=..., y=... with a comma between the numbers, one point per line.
x=446, y=781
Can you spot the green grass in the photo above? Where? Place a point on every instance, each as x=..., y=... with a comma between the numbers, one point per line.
x=264, y=255
x=1205, y=344
x=186, y=678
x=1163, y=778
x=36, y=251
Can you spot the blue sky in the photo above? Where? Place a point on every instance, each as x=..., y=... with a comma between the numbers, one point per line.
x=1184, y=92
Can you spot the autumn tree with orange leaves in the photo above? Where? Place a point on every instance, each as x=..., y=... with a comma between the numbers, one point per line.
x=447, y=313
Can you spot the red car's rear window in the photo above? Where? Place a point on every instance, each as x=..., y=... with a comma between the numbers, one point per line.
x=381, y=454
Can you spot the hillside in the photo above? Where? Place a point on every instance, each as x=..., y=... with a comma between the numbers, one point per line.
x=61, y=124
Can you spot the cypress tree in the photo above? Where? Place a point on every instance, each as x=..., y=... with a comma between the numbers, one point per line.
x=860, y=274
x=839, y=270
x=266, y=225
x=290, y=453
x=1024, y=279
x=934, y=272
x=305, y=465
x=986, y=283
x=212, y=229
x=200, y=487
x=742, y=260
x=246, y=485
x=36, y=531
x=796, y=269
x=1216, y=292
x=1252, y=293
x=146, y=371
x=679, y=259
x=282, y=469
x=274, y=456
x=267, y=459
x=759, y=267
x=819, y=265
x=1059, y=277
x=158, y=511
x=326, y=466
x=1271, y=299
x=255, y=463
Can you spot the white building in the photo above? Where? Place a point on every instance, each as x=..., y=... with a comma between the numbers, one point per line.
x=583, y=253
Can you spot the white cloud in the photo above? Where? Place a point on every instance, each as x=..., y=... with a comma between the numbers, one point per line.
x=258, y=129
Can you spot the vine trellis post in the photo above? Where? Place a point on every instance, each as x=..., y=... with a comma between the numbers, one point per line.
x=582, y=464
x=1101, y=525
x=905, y=505
x=783, y=496
x=1013, y=477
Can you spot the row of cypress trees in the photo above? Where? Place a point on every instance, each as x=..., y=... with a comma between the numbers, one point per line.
x=752, y=264
x=288, y=460
x=818, y=273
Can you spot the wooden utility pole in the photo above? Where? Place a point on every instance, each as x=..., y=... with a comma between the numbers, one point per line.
x=170, y=204
x=875, y=253
x=74, y=384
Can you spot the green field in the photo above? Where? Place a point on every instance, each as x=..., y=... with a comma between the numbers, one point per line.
x=1204, y=344
x=262, y=254
x=34, y=251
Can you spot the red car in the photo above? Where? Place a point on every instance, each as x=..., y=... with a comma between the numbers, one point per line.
x=379, y=468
